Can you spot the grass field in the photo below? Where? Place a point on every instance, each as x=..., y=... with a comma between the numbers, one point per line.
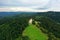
x=34, y=33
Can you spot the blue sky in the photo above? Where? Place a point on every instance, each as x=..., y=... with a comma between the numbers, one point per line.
x=38, y=4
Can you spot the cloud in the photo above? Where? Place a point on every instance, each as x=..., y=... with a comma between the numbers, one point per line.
x=53, y=5
x=21, y=9
x=30, y=3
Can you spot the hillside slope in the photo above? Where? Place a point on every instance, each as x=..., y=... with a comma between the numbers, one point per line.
x=34, y=33
x=49, y=27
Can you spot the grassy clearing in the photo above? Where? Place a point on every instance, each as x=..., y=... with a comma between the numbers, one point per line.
x=34, y=33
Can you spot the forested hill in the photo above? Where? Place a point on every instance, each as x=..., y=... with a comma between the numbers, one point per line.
x=48, y=26
x=53, y=15
x=12, y=26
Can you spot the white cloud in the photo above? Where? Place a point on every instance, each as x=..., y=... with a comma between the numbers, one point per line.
x=23, y=9
x=34, y=1
x=53, y=5
x=30, y=3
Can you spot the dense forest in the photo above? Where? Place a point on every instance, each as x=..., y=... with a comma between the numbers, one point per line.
x=13, y=25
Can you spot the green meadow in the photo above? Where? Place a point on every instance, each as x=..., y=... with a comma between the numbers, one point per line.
x=34, y=33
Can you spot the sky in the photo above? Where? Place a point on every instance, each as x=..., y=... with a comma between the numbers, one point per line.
x=53, y=5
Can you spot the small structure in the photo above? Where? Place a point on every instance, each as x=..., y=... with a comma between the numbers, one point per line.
x=30, y=21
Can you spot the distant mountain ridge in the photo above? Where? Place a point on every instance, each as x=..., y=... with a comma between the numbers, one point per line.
x=2, y=14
